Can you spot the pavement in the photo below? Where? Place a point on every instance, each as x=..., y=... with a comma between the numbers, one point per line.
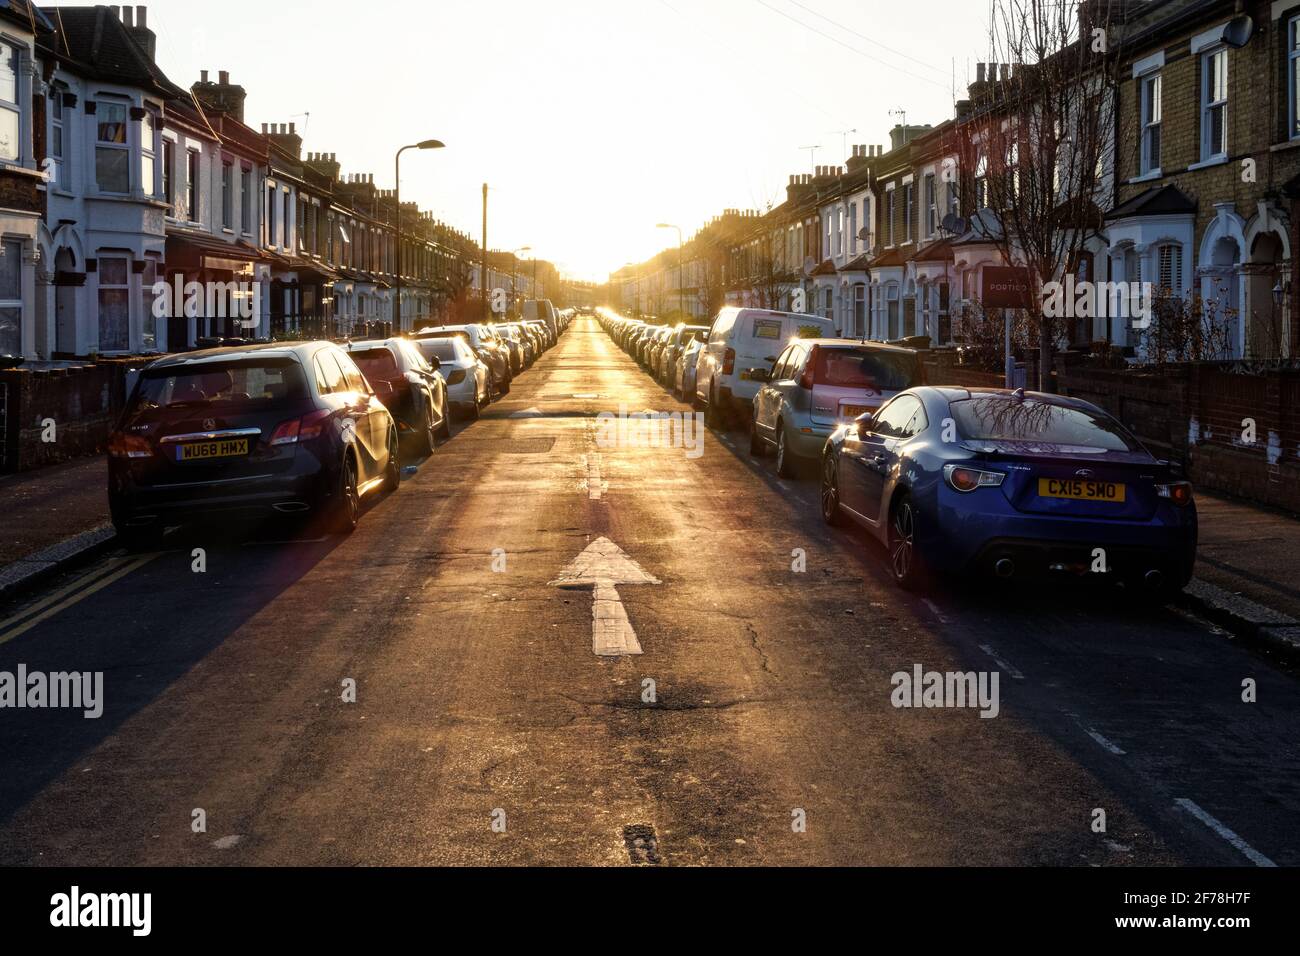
x=457, y=683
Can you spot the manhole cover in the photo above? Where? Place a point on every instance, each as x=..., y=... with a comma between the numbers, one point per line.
x=528, y=446
x=642, y=844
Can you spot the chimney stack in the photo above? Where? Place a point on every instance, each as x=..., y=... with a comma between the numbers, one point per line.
x=138, y=27
x=222, y=96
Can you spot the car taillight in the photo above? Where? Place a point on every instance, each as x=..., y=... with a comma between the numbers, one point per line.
x=122, y=445
x=728, y=361
x=300, y=429
x=806, y=379
x=1179, y=492
x=456, y=377
x=964, y=479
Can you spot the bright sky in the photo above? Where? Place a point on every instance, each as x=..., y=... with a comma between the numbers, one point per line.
x=591, y=120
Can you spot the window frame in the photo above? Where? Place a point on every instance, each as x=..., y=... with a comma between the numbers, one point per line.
x=1207, y=106
x=1149, y=159
x=103, y=146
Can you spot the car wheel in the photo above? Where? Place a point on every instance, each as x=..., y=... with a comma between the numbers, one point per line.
x=904, y=557
x=712, y=414
x=429, y=441
x=757, y=447
x=785, y=463
x=347, y=503
x=393, y=469
x=830, y=497
x=444, y=430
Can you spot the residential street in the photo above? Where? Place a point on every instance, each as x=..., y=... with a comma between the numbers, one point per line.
x=486, y=731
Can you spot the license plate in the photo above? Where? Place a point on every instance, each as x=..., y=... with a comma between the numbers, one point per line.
x=222, y=448
x=853, y=411
x=1081, y=489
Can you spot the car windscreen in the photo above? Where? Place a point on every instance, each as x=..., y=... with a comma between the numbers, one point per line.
x=377, y=365
x=237, y=383
x=866, y=368
x=997, y=418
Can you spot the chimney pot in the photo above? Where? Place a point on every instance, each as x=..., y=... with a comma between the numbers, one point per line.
x=979, y=72
x=291, y=128
x=224, y=76
x=128, y=17
x=203, y=76
x=117, y=12
x=141, y=17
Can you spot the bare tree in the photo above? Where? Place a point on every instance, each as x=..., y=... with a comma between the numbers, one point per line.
x=1038, y=147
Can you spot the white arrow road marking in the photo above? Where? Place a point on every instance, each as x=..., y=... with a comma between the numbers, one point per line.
x=593, y=483
x=602, y=566
x=526, y=413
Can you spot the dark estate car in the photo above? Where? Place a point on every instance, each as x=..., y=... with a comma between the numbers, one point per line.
x=249, y=433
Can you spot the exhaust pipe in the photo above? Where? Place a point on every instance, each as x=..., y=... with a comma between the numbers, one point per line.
x=287, y=507
x=1154, y=579
x=1004, y=568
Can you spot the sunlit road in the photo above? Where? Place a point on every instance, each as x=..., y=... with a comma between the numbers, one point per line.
x=486, y=731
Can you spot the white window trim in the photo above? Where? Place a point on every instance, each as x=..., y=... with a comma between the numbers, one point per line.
x=1207, y=157
x=1149, y=64
x=1211, y=37
x=1146, y=166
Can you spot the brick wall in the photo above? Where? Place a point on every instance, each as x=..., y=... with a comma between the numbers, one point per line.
x=83, y=401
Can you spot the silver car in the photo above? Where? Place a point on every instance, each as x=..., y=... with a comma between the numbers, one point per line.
x=815, y=386
x=466, y=376
x=684, y=369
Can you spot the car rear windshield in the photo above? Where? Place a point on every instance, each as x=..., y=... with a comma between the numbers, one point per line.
x=236, y=383
x=997, y=418
x=443, y=349
x=377, y=364
x=866, y=368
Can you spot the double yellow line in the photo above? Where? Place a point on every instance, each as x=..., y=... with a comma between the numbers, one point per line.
x=80, y=589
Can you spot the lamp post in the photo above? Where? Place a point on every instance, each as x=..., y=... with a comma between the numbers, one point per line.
x=397, y=196
x=681, y=290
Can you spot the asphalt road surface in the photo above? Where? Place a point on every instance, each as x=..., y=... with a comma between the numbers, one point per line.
x=486, y=730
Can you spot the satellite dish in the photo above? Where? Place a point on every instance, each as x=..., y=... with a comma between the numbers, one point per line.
x=864, y=233
x=954, y=224
x=809, y=264
x=1238, y=31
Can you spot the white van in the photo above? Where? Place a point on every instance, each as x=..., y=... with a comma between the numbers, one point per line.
x=741, y=339
x=541, y=310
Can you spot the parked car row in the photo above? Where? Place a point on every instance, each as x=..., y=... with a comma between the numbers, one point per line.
x=305, y=429
x=951, y=480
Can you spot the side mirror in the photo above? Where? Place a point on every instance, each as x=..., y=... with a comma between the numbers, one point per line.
x=434, y=363
x=863, y=422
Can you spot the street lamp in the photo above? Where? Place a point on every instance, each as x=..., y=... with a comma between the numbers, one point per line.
x=397, y=195
x=681, y=290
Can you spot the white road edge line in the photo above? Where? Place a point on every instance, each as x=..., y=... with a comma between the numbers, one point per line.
x=1246, y=850
x=934, y=609
x=1103, y=742
x=1014, y=672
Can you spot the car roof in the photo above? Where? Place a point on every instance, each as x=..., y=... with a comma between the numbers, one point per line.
x=299, y=350
x=858, y=343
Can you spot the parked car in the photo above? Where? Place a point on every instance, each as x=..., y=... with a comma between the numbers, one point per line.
x=666, y=362
x=468, y=379
x=818, y=384
x=684, y=373
x=542, y=310
x=416, y=394
x=508, y=340
x=249, y=432
x=484, y=346
x=1019, y=484
x=741, y=339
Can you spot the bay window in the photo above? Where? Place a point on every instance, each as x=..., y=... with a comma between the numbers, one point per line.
x=11, y=110
x=112, y=154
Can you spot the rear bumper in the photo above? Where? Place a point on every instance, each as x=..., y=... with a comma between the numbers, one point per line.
x=807, y=443
x=966, y=540
x=302, y=489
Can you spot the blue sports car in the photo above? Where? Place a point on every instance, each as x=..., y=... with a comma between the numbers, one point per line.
x=956, y=480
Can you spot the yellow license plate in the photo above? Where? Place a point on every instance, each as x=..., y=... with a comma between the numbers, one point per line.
x=853, y=411
x=223, y=448
x=1082, y=489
